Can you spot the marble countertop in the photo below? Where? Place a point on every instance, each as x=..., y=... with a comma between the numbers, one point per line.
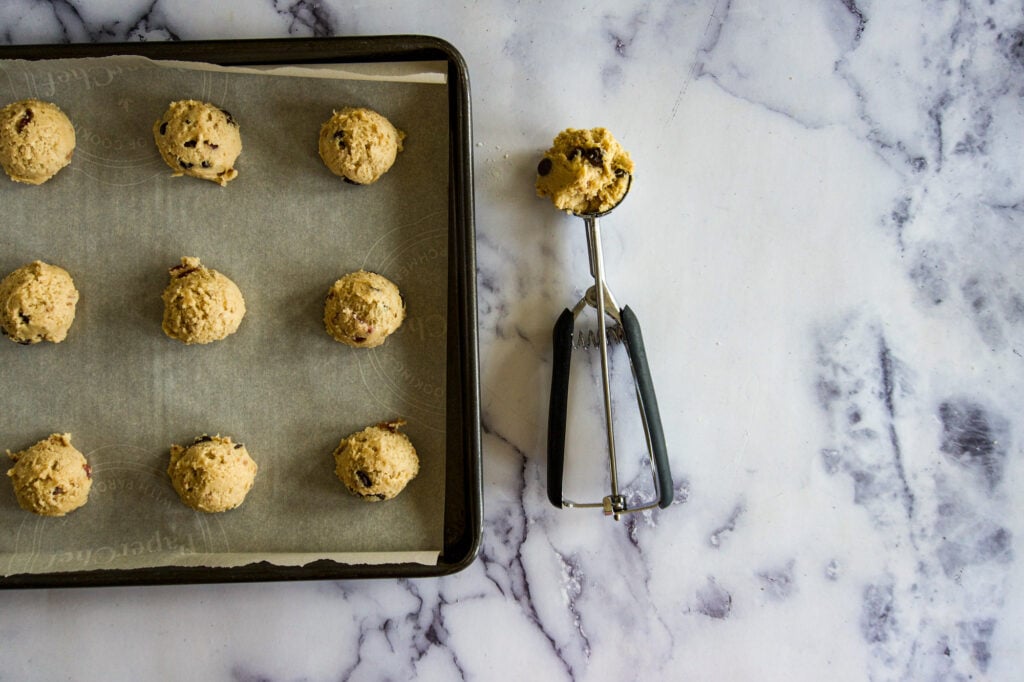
x=824, y=245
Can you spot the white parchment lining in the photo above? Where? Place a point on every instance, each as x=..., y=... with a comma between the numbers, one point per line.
x=284, y=230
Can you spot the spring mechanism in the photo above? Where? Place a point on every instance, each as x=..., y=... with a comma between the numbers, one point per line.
x=587, y=339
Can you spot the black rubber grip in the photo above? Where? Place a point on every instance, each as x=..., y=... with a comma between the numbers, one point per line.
x=559, y=406
x=645, y=387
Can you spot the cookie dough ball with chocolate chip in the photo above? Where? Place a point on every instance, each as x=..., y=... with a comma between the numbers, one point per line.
x=213, y=474
x=378, y=462
x=362, y=309
x=51, y=478
x=199, y=139
x=201, y=305
x=37, y=303
x=585, y=171
x=36, y=140
x=359, y=144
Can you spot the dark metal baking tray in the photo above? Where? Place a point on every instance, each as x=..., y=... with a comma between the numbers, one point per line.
x=463, y=504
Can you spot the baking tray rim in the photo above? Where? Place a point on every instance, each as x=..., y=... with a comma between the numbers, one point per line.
x=463, y=506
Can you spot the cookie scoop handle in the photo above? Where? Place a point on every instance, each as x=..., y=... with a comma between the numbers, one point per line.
x=648, y=404
x=559, y=404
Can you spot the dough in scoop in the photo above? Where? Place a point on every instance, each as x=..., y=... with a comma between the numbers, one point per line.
x=585, y=171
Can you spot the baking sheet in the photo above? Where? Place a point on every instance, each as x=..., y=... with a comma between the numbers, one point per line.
x=284, y=230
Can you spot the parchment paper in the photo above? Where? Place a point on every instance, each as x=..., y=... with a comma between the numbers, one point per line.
x=284, y=230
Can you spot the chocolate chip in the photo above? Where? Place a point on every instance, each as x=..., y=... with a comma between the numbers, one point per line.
x=190, y=143
x=238, y=446
x=574, y=153
x=185, y=164
x=25, y=319
x=25, y=120
x=544, y=167
x=88, y=470
x=181, y=270
x=211, y=145
x=205, y=164
x=340, y=138
x=203, y=439
x=58, y=491
x=163, y=128
x=620, y=172
x=364, y=478
x=381, y=496
x=231, y=120
x=359, y=339
x=595, y=155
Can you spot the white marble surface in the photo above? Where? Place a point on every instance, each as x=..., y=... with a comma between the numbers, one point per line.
x=824, y=244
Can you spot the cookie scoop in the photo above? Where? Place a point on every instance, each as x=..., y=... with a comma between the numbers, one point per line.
x=588, y=174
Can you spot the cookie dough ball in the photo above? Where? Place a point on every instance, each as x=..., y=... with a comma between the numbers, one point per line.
x=201, y=305
x=360, y=145
x=37, y=303
x=51, y=478
x=378, y=462
x=198, y=139
x=213, y=474
x=36, y=141
x=363, y=309
x=585, y=171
